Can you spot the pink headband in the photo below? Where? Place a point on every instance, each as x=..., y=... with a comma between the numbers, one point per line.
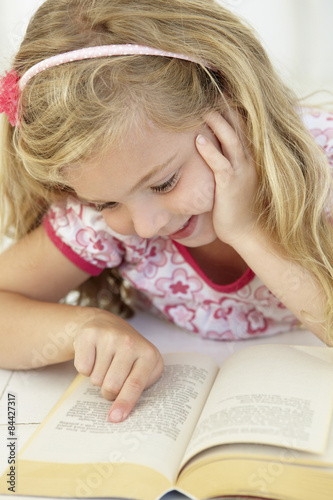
x=11, y=86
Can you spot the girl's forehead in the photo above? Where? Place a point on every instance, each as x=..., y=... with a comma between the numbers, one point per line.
x=148, y=143
x=141, y=158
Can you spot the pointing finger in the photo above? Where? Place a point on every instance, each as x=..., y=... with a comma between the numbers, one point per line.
x=128, y=395
x=140, y=377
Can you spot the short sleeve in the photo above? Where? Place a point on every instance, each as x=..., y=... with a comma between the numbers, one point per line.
x=320, y=125
x=82, y=235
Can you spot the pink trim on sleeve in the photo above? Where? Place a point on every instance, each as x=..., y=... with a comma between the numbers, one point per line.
x=69, y=253
x=233, y=287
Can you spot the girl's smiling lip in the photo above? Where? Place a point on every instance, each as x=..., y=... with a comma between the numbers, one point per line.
x=186, y=230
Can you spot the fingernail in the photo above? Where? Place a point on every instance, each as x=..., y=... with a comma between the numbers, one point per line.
x=116, y=415
x=201, y=139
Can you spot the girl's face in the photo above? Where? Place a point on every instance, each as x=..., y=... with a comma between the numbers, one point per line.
x=155, y=184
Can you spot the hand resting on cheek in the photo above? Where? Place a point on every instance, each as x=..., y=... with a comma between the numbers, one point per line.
x=236, y=180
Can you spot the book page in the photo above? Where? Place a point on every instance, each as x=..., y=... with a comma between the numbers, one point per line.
x=159, y=427
x=269, y=394
x=278, y=455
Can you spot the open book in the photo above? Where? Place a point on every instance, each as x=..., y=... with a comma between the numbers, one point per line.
x=260, y=426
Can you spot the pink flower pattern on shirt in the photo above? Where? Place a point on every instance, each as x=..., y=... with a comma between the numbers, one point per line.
x=266, y=297
x=323, y=137
x=182, y=315
x=155, y=257
x=166, y=280
x=180, y=284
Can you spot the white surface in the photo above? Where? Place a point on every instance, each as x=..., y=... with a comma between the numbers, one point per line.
x=37, y=391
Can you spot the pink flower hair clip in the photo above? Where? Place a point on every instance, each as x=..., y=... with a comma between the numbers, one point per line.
x=9, y=96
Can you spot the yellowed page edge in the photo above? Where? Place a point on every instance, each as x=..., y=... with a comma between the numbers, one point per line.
x=88, y=480
x=243, y=477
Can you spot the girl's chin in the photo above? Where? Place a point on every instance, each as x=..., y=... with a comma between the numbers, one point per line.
x=199, y=240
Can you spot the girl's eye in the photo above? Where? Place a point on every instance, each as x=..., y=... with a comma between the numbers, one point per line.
x=163, y=188
x=166, y=186
x=104, y=206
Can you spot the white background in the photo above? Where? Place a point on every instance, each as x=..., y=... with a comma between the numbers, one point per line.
x=298, y=35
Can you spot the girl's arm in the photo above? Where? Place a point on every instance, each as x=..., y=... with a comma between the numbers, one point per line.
x=35, y=330
x=236, y=184
x=293, y=285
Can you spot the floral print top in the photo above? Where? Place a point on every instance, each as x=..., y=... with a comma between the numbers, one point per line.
x=168, y=280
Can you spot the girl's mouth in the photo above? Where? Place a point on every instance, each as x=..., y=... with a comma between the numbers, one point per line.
x=186, y=230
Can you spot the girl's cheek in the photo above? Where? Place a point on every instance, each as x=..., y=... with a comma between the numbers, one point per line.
x=199, y=196
x=119, y=222
x=202, y=193
x=203, y=198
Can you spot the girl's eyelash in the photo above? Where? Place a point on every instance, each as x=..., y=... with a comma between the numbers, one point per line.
x=166, y=186
x=163, y=188
x=104, y=206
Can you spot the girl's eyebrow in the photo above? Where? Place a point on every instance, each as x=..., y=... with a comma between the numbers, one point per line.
x=144, y=180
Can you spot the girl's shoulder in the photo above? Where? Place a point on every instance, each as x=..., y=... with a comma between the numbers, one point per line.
x=320, y=124
x=316, y=117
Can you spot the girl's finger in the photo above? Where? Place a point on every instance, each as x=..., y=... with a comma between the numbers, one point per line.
x=116, y=375
x=219, y=164
x=102, y=364
x=84, y=358
x=131, y=390
x=228, y=137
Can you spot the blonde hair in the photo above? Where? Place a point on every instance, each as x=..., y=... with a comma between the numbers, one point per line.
x=72, y=111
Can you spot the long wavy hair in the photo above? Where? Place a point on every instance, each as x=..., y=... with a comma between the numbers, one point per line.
x=71, y=112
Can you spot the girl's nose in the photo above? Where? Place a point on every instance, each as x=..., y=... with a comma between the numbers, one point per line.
x=149, y=220
x=145, y=220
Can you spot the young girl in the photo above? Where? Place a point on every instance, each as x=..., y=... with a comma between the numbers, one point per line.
x=166, y=147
